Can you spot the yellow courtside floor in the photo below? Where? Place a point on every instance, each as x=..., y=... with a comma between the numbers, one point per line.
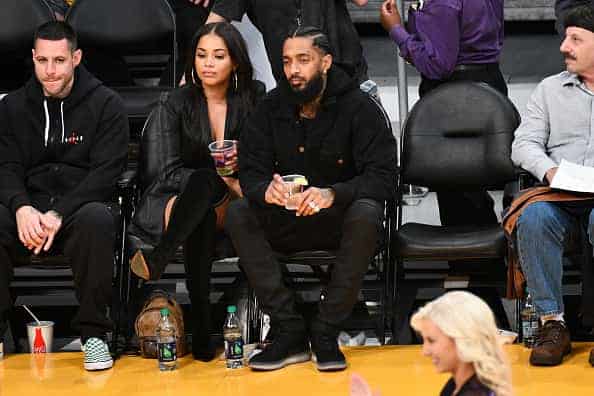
x=396, y=370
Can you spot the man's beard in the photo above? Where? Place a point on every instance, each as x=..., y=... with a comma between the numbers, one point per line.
x=313, y=88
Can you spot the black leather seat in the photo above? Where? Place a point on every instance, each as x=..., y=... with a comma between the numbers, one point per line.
x=18, y=21
x=123, y=41
x=448, y=243
x=456, y=138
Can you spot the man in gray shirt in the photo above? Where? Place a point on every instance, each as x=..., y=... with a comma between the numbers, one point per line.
x=559, y=125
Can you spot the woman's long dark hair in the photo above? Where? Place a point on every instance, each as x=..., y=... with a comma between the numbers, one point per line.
x=241, y=93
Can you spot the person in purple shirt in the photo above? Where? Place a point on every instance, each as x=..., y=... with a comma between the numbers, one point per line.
x=448, y=40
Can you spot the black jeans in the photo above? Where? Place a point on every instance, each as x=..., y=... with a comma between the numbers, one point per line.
x=257, y=233
x=87, y=237
x=473, y=207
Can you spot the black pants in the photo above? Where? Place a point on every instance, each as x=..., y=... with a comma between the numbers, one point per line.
x=473, y=207
x=258, y=232
x=87, y=237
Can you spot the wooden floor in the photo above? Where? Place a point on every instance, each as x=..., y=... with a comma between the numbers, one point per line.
x=396, y=370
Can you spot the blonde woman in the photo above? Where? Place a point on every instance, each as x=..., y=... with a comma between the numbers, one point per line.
x=460, y=336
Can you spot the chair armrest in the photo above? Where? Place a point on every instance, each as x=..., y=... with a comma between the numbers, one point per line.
x=127, y=179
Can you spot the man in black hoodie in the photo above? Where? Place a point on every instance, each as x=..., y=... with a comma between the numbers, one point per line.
x=63, y=143
x=318, y=124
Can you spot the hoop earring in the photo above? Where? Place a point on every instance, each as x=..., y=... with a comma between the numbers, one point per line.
x=235, y=80
x=193, y=76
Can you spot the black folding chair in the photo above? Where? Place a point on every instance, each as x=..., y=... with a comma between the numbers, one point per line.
x=47, y=280
x=124, y=41
x=456, y=138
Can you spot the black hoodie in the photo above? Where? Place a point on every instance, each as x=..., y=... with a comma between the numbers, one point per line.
x=348, y=146
x=60, y=154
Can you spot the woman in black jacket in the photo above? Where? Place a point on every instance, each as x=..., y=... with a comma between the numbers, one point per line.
x=186, y=202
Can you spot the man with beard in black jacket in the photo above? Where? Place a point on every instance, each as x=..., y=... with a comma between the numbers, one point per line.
x=318, y=124
x=63, y=143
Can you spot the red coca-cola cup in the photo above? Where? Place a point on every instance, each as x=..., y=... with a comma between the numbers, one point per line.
x=41, y=336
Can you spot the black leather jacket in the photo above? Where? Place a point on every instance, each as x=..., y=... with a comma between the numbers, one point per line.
x=170, y=154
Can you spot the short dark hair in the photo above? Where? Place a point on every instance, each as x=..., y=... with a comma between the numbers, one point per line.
x=56, y=31
x=317, y=36
x=581, y=16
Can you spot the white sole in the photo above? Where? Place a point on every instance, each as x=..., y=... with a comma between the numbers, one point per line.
x=99, y=365
x=293, y=359
x=333, y=366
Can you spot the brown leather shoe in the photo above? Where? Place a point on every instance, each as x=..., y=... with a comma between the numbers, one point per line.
x=552, y=344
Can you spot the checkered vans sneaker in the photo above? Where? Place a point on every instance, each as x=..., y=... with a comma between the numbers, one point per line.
x=97, y=355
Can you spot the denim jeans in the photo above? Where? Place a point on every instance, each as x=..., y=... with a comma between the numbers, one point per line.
x=545, y=230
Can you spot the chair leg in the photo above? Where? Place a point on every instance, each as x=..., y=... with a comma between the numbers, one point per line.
x=253, y=322
x=518, y=318
x=407, y=295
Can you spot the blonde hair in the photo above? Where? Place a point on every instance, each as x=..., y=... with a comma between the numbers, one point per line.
x=469, y=321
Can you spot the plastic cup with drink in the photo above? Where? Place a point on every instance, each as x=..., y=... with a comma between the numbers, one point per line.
x=222, y=151
x=295, y=185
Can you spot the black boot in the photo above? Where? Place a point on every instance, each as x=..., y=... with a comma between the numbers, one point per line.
x=288, y=347
x=202, y=189
x=324, y=346
x=198, y=257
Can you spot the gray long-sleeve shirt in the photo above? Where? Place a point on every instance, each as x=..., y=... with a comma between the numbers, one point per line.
x=558, y=125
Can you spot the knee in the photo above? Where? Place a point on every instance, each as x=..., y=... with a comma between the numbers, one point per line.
x=536, y=218
x=365, y=213
x=238, y=215
x=7, y=227
x=95, y=218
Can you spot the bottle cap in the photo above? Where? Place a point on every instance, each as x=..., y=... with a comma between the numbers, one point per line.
x=231, y=309
x=164, y=311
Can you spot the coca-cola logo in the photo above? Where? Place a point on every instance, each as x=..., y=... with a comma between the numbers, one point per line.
x=39, y=342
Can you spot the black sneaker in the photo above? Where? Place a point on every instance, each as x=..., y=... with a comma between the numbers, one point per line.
x=324, y=346
x=288, y=347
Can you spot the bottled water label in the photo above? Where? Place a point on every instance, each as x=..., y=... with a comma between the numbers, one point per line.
x=167, y=351
x=234, y=349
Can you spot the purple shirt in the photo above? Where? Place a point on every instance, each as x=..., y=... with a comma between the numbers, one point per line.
x=446, y=33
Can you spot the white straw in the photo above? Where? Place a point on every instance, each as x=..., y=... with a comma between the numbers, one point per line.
x=33, y=315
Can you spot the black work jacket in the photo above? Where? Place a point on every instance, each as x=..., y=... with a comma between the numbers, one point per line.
x=349, y=146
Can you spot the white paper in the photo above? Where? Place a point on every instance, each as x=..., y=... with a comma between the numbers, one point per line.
x=574, y=177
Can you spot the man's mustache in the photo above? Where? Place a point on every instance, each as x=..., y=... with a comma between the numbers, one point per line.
x=569, y=56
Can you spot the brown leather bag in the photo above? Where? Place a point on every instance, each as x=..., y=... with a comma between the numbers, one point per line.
x=148, y=320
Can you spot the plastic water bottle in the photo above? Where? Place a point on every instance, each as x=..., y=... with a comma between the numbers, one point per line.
x=233, y=339
x=166, y=346
x=529, y=322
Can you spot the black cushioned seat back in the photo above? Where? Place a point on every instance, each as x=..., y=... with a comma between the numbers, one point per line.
x=124, y=26
x=18, y=21
x=458, y=137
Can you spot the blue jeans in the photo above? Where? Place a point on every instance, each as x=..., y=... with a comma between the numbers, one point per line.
x=545, y=230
